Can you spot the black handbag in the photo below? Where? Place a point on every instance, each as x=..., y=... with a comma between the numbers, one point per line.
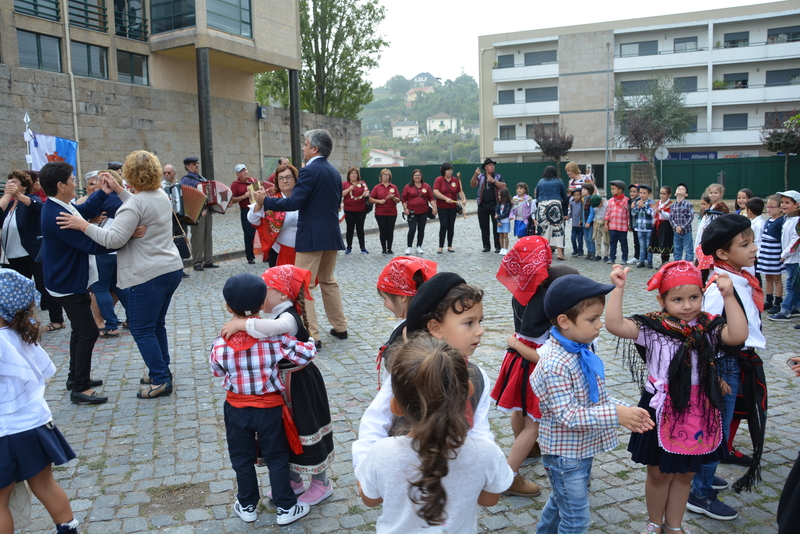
x=181, y=241
x=459, y=209
x=430, y=213
x=369, y=205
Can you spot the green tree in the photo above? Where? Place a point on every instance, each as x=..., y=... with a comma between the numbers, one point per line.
x=340, y=45
x=783, y=137
x=364, y=151
x=398, y=85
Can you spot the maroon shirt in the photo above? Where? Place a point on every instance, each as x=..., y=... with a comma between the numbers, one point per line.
x=450, y=189
x=239, y=188
x=380, y=192
x=353, y=200
x=417, y=199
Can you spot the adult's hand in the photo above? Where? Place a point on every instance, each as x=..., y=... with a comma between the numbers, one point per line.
x=68, y=221
x=109, y=184
x=12, y=189
x=260, y=195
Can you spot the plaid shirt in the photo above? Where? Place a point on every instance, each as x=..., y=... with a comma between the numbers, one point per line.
x=571, y=426
x=254, y=371
x=681, y=215
x=642, y=217
x=617, y=213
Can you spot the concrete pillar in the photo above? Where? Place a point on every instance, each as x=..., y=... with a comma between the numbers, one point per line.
x=294, y=118
x=204, y=108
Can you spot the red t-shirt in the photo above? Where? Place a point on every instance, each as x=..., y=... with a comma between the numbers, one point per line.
x=239, y=188
x=417, y=199
x=450, y=189
x=380, y=192
x=353, y=200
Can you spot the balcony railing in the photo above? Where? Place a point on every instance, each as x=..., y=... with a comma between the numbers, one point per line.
x=130, y=26
x=45, y=9
x=88, y=15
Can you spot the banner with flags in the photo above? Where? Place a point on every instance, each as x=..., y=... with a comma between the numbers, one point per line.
x=46, y=148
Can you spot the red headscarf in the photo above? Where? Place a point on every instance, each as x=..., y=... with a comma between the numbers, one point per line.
x=397, y=278
x=288, y=279
x=674, y=274
x=525, y=267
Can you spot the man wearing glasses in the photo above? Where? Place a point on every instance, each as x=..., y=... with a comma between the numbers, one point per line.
x=201, y=240
x=169, y=176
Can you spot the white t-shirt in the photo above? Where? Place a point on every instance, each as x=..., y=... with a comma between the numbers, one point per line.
x=385, y=473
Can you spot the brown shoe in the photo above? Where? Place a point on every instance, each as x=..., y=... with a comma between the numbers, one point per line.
x=536, y=451
x=523, y=488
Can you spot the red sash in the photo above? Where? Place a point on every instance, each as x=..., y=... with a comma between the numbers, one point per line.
x=270, y=400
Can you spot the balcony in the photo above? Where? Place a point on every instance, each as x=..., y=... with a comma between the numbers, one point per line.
x=755, y=94
x=515, y=146
x=719, y=138
x=523, y=72
x=663, y=60
x=129, y=24
x=88, y=14
x=524, y=109
x=756, y=52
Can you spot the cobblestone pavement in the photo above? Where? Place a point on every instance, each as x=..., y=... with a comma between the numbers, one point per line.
x=162, y=465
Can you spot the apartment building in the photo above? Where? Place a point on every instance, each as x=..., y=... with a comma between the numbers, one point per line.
x=739, y=68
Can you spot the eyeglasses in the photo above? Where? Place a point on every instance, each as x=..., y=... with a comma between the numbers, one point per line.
x=285, y=178
x=167, y=172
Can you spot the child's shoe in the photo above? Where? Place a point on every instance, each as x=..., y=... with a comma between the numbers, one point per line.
x=776, y=306
x=68, y=528
x=666, y=529
x=640, y=265
x=297, y=487
x=294, y=513
x=780, y=316
x=650, y=265
x=408, y=250
x=317, y=492
x=523, y=488
x=652, y=528
x=348, y=251
x=246, y=513
x=719, y=483
x=605, y=259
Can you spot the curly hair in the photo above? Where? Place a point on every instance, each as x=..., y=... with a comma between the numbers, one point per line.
x=458, y=300
x=142, y=170
x=24, y=323
x=24, y=180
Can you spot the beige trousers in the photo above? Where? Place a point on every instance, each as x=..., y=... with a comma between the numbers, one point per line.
x=322, y=264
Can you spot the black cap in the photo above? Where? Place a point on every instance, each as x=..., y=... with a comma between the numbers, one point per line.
x=721, y=231
x=428, y=297
x=486, y=162
x=114, y=165
x=190, y=159
x=569, y=290
x=617, y=183
x=646, y=187
x=684, y=185
x=632, y=186
x=245, y=293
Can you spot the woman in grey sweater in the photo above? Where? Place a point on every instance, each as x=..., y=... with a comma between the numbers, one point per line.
x=149, y=268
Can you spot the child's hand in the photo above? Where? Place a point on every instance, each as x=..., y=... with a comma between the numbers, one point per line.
x=725, y=285
x=233, y=326
x=724, y=388
x=635, y=419
x=619, y=275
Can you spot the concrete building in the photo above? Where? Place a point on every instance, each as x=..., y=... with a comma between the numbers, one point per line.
x=739, y=68
x=386, y=158
x=442, y=122
x=405, y=129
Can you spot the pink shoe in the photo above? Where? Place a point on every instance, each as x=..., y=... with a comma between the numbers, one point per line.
x=297, y=487
x=317, y=492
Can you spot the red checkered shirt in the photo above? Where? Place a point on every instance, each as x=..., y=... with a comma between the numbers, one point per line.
x=571, y=425
x=254, y=371
x=617, y=214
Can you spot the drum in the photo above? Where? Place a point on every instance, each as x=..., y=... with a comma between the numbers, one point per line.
x=218, y=195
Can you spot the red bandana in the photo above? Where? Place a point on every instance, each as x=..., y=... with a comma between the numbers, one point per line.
x=397, y=278
x=525, y=267
x=758, y=291
x=289, y=280
x=241, y=340
x=674, y=274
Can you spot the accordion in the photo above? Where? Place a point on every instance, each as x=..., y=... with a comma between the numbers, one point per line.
x=218, y=195
x=187, y=202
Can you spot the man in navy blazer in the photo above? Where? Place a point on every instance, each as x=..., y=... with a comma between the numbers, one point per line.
x=317, y=197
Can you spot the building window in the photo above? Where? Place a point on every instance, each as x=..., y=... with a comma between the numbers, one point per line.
x=736, y=80
x=508, y=132
x=737, y=39
x=232, y=16
x=636, y=87
x=39, y=51
x=131, y=68
x=644, y=48
x=377, y=160
x=685, y=44
x=775, y=119
x=783, y=77
x=89, y=14
x=783, y=35
x=540, y=58
x=505, y=61
x=44, y=9
x=170, y=15
x=548, y=128
x=541, y=94
x=130, y=20
x=89, y=60
x=687, y=84
x=505, y=97
x=692, y=126
x=734, y=121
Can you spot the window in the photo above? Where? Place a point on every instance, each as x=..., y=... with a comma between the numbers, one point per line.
x=783, y=77
x=170, y=15
x=636, y=87
x=737, y=40
x=505, y=97
x=129, y=19
x=39, y=51
x=89, y=60
x=89, y=14
x=783, y=35
x=548, y=127
x=132, y=68
x=736, y=81
x=687, y=84
x=232, y=16
x=541, y=94
x=508, y=132
x=540, y=58
x=645, y=48
x=734, y=121
x=505, y=61
x=692, y=125
x=773, y=119
x=685, y=44
x=45, y=9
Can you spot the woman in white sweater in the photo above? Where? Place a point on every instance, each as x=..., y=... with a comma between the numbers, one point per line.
x=149, y=268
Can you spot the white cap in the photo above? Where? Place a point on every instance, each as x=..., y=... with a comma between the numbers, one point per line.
x=794, y=195
x=240, y=167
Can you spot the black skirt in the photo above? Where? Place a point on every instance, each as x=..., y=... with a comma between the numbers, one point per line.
x=308, y=400
x=645, y=449
x=25, y=454
x=661, y=241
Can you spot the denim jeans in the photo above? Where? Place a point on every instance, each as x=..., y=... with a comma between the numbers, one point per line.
x=577, y=240
x=790, y=297
x=567, y=508
x=147, y=304
x=618, y=236
x=683, y=246
x=644, y=244
x=729, y=372
x=588, y=236
x=106, y=281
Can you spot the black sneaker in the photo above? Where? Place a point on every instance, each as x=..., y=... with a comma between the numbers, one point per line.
x=68, y=528
x=737, y=458
x=719, y=483
x=712, y=507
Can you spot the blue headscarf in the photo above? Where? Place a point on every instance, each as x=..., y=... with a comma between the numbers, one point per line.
x=591, y=364
x=16, y=294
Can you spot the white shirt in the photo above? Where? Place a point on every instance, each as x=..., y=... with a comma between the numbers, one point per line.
x=714, y=303
x=788, y=238
x=262, y=328
x=757, y=224
x=93, y=277
x=288, y=232
x=11, y=239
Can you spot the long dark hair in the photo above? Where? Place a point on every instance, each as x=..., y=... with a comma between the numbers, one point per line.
x=430, y=381
x=24, y=323
x=421, y=177
x=550, y=173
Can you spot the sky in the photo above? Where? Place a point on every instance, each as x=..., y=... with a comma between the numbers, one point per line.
x=441, y=36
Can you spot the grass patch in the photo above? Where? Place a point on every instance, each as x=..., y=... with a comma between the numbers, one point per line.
x=355, y=510
x=624, y=475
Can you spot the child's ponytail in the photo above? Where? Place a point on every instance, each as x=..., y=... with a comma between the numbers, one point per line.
x=24, y=323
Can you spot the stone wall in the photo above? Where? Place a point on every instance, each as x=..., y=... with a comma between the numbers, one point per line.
x=117, y=118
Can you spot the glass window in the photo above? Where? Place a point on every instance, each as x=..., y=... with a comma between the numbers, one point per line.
x=505, y=97
x=89, y=60
x=635, y=87
x=773, y=119
x=508, y=132
x=541, y=58
x=45, y=9
x=685, y=44
x=783, y=35
x=783, y=77
x=129, y=19
x=131, y=68
x=644, y=48
x=548, y=127
x=39, y=51
x=232, y=16
x=734, y=121
x=686, y=84
x=505, y=61
x=737, y=39
x=170, y=15
x=736, y=80
x=541, y=94
x=692, y=126
x=89, y=14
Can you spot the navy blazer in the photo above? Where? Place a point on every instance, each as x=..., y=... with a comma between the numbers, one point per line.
x=316, y=197
x=28, y=223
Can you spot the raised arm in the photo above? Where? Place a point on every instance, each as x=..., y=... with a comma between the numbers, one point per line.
x=615, y=322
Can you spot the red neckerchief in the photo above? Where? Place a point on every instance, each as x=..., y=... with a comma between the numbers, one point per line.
x=619, y=197
x=242, y=340
x=758, y=291
x=665, y=208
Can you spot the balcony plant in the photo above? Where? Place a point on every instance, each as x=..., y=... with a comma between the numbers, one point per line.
x=719, y=84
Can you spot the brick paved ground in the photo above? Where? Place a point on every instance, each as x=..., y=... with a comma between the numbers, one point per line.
x=162, y=465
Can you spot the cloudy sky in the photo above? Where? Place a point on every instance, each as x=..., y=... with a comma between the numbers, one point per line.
x=441, y=36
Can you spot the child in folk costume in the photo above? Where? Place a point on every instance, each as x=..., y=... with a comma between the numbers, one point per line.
x=769, y=255
x=683, y=392
x=305, y=387
x=662, y=238
x=522, y=208
x=714, y=207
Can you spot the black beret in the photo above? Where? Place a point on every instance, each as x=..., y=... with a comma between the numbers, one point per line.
x=721, y=231
x=114, y=165
x=429, y=295
x=190, y=159
x=569, y=290
x=646, y=187
x=245, y=293
x=633, y=186
x=617, y=183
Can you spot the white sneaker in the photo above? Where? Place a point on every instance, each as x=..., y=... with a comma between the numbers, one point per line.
x=419, y=250
x=632, y=261
x=247, y=513
x=294, y=513
x=408, y=250
x=503, y=251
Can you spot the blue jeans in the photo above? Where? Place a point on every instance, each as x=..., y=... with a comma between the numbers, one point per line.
x=618, y=236
x=107, y=280
x=729, y=371
x=644, y=244
x=577, y=240
x=588, y=236
x=147, y=305
x=567, y=508
x=683, y=247
x=790, y=297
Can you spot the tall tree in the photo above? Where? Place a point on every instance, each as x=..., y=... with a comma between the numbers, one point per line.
x=398, y=85
x=340, y=45
x=654, y=116
x=554, y=142
x=783, y=137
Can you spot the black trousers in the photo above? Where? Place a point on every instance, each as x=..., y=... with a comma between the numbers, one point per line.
x=789, y=503
x=447, y=225
x=30, y=269
x=249, y=233
x=82, y=339
x=416, y=224
x=487, y=222
x=386, y=229
x=355, y=221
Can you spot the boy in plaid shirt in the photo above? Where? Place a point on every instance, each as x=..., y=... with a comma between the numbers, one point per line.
x=617, y=214
x=579, y=419
x=680, y=217
x=642, y=214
